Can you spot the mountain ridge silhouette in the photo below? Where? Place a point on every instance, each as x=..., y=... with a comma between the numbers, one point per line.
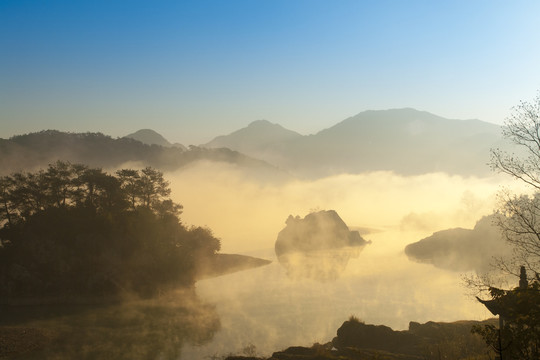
x=405, y=141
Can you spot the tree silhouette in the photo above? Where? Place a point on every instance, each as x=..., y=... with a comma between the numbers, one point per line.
x=129, y=180
x=72, y=229
x=519, y=220
x=6, y=201
x=519, y=215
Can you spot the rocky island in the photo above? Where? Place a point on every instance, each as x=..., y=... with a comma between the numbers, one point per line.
x=318, y=246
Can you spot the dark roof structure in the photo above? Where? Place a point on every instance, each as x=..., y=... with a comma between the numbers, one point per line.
x=510, y=304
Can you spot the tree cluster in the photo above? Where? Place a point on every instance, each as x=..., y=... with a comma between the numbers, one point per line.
x=74, y=230
x=519, y=214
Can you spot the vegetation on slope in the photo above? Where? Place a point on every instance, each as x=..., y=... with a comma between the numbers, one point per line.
x=37, y=150
x=71, y=230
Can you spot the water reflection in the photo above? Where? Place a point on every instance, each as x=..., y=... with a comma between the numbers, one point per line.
x=142, y=329
x=321, y=265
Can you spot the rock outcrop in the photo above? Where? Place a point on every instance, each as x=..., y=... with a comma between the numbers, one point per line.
x=430, y=340
x=358, y=341
x=318, y=246
x=461, y=249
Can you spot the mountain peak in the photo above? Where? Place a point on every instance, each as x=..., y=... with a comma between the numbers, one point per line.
x=265, y=125
x=261, y=122
x=256, y=134
x=407, y=121
x=149, y=137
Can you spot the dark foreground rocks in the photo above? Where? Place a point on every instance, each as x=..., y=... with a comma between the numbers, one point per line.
x=432, y=340
x=322, y=352
x=358, y=341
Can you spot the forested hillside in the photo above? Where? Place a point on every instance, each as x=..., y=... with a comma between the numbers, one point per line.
x=76, y=230
x=37, y=150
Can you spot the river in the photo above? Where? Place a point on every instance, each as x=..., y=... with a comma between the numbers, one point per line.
x=264, y=310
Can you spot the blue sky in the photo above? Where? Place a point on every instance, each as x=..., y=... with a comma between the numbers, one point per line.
x=192, y=70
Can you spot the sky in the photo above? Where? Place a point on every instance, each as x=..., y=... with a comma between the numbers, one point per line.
x=193, y=70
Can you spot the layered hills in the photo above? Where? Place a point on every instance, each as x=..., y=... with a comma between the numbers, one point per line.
x=405, y=141
x=37, y=150
x=257, y=136
x=150, y=137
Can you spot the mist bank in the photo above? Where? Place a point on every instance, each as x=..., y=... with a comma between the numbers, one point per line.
x=271, y=310
x=248, y=214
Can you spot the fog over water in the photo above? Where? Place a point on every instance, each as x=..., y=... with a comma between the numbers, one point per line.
x=247, y=213
x=266, y=308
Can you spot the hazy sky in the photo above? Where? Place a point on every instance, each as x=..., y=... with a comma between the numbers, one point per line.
x=192, y=70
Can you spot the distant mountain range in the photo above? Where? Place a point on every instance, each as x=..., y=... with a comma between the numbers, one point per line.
x=405, y=141
x=37, y=150
x=150, y=137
